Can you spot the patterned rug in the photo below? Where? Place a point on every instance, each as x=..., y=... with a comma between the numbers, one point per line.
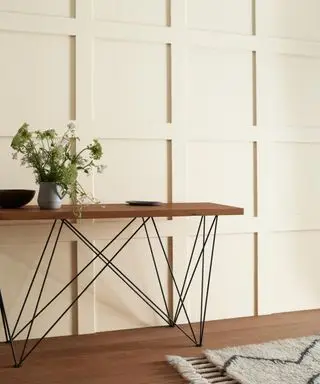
x=288, y=361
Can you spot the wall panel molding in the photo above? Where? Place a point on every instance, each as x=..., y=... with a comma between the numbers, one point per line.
x=184, y=102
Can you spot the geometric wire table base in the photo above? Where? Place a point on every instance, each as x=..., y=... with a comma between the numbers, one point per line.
x=169, y=315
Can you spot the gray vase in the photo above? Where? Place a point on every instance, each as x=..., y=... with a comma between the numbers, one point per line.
x=49, y=196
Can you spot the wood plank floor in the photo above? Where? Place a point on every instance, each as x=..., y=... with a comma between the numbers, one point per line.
x=138, y=356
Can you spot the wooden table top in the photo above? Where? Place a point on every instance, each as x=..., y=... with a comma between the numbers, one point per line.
x=114, y=211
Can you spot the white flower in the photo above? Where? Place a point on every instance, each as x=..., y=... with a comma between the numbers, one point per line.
x=72, y=127
x=101, y=168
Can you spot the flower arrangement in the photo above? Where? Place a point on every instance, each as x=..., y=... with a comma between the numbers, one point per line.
x=53, y=158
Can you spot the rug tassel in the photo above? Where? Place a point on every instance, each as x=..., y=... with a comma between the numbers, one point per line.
x=186, y=370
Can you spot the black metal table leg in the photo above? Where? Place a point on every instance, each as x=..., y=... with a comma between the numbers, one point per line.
x=7, y=330
x=167, y=314
x=4, y=318
x=34, y=277
x=205, y=285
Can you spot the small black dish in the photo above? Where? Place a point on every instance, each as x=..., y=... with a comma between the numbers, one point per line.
x=15, y=198
x=143, y=202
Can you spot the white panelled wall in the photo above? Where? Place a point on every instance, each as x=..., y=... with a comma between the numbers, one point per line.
x=193, y=100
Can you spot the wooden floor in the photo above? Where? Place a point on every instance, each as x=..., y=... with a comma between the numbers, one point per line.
x=138, y=356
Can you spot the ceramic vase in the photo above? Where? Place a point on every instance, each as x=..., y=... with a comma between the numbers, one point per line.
x=49, y=196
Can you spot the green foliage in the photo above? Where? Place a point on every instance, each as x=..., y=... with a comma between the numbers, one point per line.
x=54, y=158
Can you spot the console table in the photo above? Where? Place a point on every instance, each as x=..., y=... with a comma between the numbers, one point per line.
x=145, y=216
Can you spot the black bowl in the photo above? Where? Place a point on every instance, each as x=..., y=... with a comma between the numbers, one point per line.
x=15, y=198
